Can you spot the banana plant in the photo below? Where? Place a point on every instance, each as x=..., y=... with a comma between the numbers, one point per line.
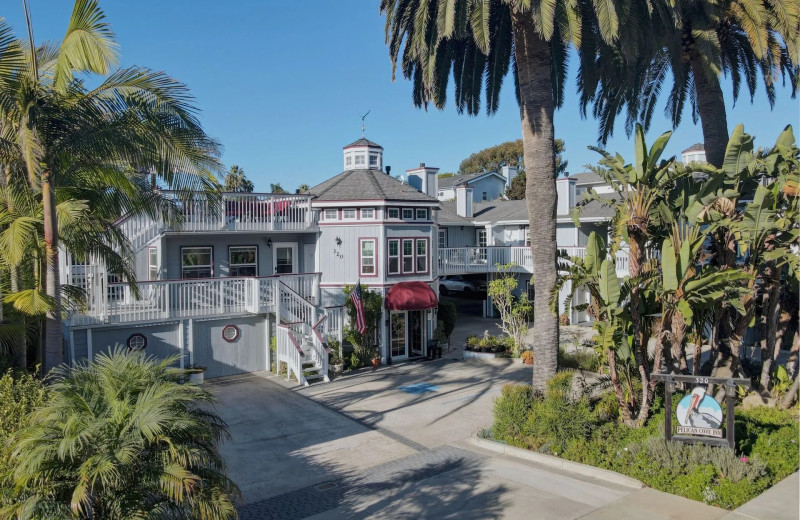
x=688, y=287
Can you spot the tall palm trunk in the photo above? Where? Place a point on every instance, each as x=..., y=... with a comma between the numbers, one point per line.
x=53, y=339
x=711, y=107
x=532, y=56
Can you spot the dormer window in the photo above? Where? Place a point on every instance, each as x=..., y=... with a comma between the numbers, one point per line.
x=359, y=159
x=373, y=160
x=348, y=160
x=331, y=214
x=348, y=214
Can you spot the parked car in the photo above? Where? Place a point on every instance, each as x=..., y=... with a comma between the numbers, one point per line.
x=456, y=284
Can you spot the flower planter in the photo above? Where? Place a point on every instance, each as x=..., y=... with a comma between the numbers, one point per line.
x=470, y=354
x=337, y=369
x=196, y=375
x=376, y=362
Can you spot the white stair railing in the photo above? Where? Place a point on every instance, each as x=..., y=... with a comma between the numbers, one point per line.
x=333, y=326
x=289, y=352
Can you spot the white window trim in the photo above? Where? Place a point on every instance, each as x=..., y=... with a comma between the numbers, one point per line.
x=403, y=213
x=390, y=210
x=418, y=211
x=442, y=233
x=374, y=256
x=150, y=265
x=370, y=217
x=359, y=159
x=333, y=211
x=417, y=255
x=344, y=214
x=254, y=263
x=403, y=256
x=389, y=257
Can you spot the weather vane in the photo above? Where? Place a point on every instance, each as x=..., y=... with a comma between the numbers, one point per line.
x=362, y=121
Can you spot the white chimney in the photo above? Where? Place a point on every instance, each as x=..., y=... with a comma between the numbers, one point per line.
x=464, y=200
x=565, y=188
x=424, y=179
x=509, y=172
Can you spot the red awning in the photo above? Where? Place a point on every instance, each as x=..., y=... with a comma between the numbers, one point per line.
x=410, y=296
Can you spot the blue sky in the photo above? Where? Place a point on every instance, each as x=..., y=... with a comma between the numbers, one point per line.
x=283, y=85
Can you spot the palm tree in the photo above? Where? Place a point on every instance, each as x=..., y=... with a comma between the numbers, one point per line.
x=698, y=41
x=136, y=120
x=303, y=188
x=122, y=438
x=477, y=40
x=237, y=181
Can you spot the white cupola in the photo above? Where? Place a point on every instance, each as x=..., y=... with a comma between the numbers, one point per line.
x=363, y=155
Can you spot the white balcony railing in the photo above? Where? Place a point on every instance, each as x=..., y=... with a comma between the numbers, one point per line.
x=462, y=260
x=232, y=212
x=206, y=297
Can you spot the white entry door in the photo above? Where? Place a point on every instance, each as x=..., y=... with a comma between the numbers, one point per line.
x=284, y=257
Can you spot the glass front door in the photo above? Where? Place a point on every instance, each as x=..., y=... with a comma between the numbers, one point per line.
x=416, y=332
x=398, y=337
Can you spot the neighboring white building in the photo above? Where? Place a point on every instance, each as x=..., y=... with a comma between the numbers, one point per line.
x=695, y=153
x=486, y=186
x=255, y=266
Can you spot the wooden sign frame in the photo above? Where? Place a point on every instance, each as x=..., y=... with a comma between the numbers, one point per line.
x=730, y=384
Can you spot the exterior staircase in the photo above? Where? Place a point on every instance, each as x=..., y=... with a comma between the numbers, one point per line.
x=300, y=344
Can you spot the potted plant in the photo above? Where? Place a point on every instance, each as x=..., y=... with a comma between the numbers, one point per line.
x=527, y=357
x=336, y=359
x=375, y=356
x=196, y=374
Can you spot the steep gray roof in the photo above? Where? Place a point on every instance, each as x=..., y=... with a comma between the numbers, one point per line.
x=696, y=147
x=586, y=178
x=449, y=182
x=367, y=185
x=514, y=210
x=364, y=142
x=449, y=216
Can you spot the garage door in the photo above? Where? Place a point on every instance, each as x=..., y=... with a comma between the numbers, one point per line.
x=228, y=347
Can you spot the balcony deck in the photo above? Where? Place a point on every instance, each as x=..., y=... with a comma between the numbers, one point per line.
x=463, y=260
x=232, y=212
x=115, y=303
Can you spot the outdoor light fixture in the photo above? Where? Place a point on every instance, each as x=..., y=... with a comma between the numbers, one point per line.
x=269, y=242
x=338, y=241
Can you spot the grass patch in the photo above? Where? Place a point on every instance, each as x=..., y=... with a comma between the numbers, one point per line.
x=590, y=433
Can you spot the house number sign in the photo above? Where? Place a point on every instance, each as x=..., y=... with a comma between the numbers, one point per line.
x=698, y=414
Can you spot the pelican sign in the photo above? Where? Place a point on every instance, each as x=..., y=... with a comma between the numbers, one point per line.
x=699, y=414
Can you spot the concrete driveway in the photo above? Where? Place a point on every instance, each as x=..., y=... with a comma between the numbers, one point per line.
x=394, y=443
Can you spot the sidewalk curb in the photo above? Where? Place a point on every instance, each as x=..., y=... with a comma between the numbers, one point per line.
x=559, y=463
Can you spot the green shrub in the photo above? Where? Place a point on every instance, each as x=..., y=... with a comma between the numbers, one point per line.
x=20, y=394
x=767, y=443
x=580, y=360
x=557, y=420
x=511, y=411
x=447, y=313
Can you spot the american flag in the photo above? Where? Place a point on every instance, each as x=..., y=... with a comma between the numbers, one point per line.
x=361, y=322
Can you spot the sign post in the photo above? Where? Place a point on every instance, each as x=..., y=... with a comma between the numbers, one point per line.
x=699, y=416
